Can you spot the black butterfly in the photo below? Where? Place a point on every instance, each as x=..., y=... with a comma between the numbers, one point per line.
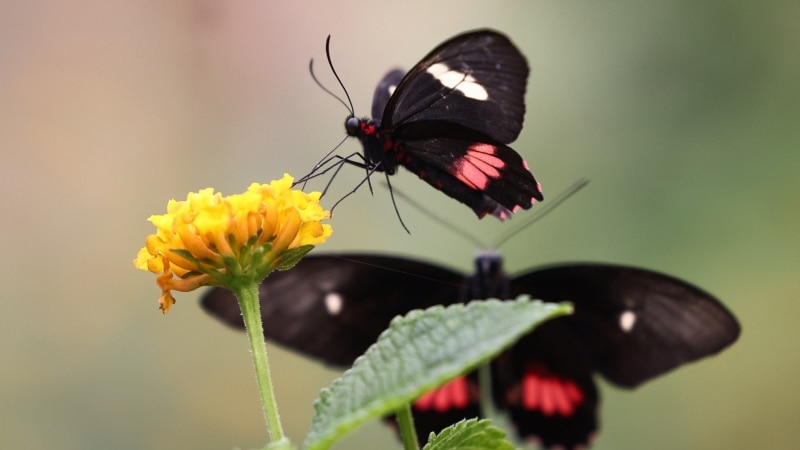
x=629, y=325
x=449, y=119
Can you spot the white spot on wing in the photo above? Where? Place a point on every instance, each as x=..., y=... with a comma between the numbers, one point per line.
x=333, y=303
x=463, y=82
x=627, y=320
x=392, y=89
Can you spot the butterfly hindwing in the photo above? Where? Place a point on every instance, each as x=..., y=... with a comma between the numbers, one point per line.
x=476, y=80
x=545, y=384
x=486, y=177
x=383, y=92
x=334, y=307
x=635, y=323
x=456, y=400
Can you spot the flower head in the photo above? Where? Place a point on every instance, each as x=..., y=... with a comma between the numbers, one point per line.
x=209, y=239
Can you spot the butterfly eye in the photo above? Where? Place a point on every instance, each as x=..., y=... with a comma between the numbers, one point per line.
x=352, y=126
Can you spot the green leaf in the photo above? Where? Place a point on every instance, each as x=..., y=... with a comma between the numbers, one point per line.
x=292, y=256
x=469, y=434
x=421, y=351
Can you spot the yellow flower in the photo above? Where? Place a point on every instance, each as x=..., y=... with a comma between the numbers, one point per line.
x=209, y=239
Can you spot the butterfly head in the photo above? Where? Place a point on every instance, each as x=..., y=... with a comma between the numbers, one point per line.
x=352, y=125
x=489, y=281
x=488, y=262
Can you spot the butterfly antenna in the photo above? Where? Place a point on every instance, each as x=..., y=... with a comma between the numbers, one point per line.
x=538, y=215
x=546, y=209
x=404, y=272
x=321, y=86
x=348, y=105
x=448, y=225
x=330, y=63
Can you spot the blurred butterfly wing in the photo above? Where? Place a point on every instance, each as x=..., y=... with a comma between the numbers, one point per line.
x=475, y=80
x=635, y=324
x=545, y=384
x=334, y=307
x=383, y=92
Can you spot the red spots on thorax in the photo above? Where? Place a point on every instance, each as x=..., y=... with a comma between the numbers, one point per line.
x=479, y=166
x=453, y=395
x=367, y=128
x=548, y=393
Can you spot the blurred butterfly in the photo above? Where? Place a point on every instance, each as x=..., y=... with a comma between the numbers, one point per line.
x=629, y=326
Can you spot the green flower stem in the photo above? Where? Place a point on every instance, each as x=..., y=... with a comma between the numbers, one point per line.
x=247, y=295
x=485, y=386
x=407, y=431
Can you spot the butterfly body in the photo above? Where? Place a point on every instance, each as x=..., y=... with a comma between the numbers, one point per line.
x=381, y=152
x=449, y=120
x=629, y=326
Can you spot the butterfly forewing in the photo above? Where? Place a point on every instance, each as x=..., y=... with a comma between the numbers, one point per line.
x=635, y=324
x=334, y=307
x=476, y=80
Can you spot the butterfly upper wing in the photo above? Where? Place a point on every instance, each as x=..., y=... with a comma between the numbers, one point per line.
x=635, y=324
x=334, y=307
x=476, y=80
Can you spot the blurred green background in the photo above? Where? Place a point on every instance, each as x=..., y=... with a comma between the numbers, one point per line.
x=683, y=115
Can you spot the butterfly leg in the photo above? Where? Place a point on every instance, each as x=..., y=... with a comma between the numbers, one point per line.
x=370, y=168
x=335, y=163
